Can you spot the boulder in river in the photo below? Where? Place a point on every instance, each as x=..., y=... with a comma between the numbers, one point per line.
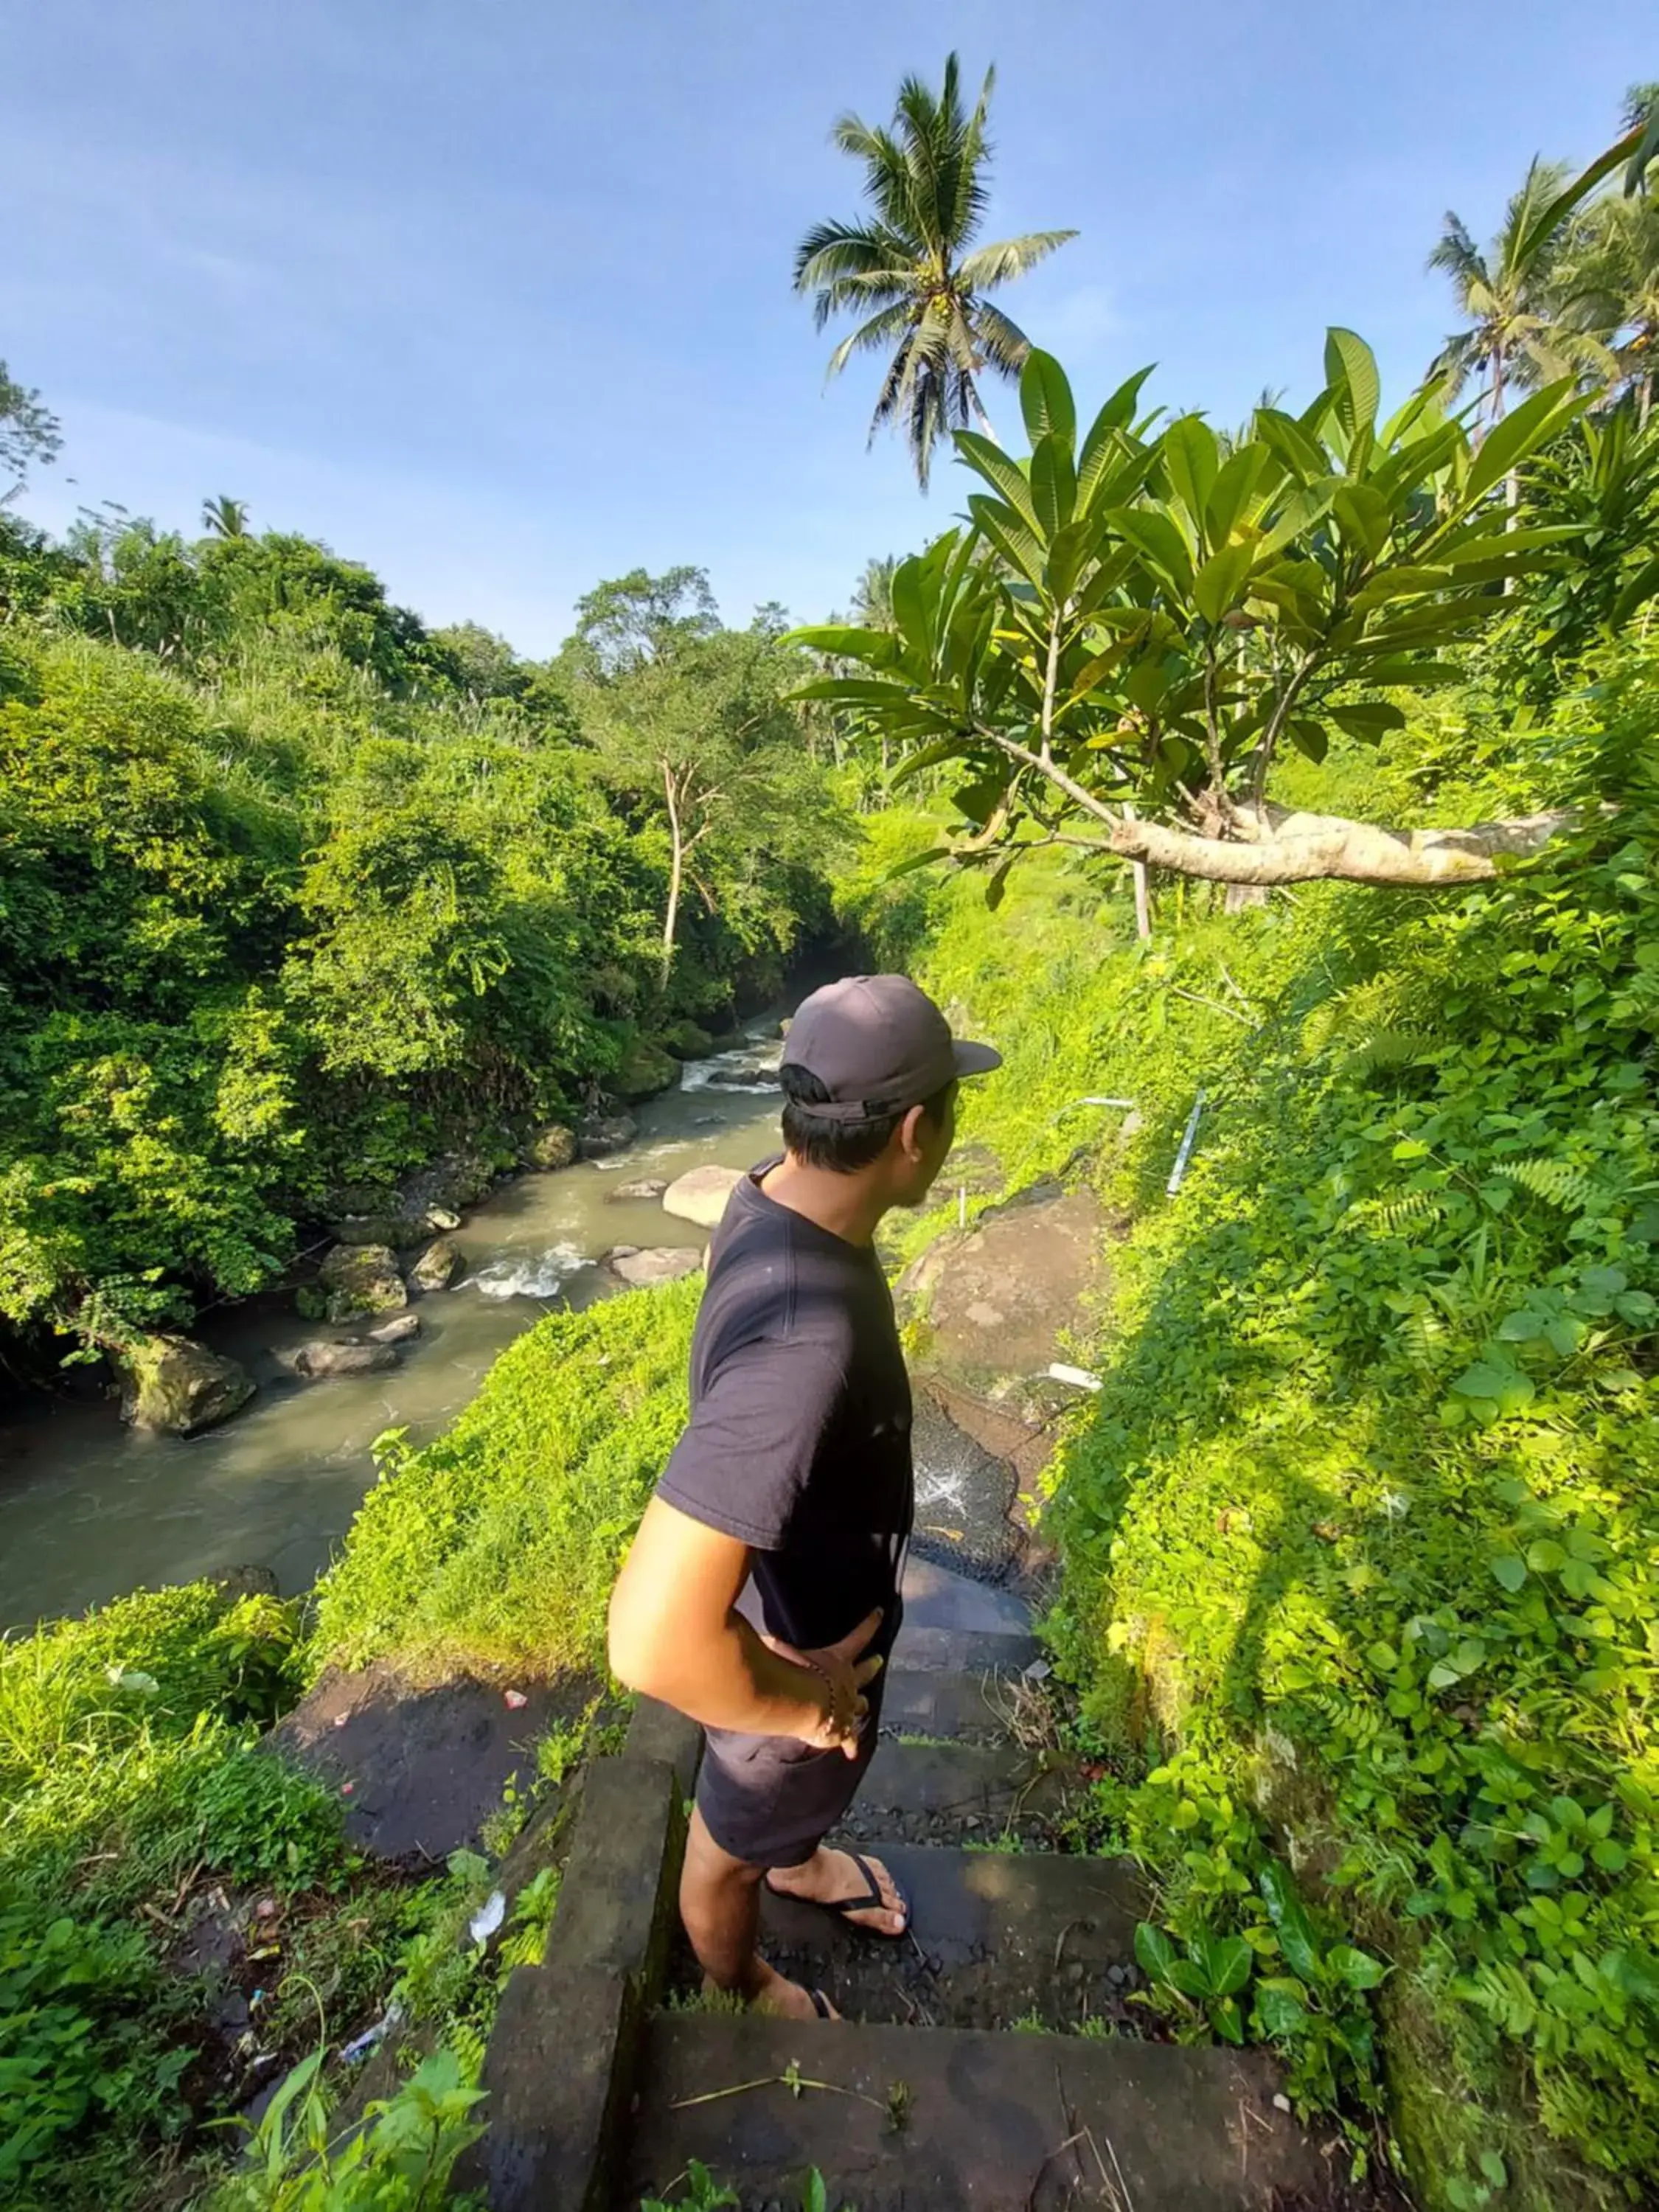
x=651, y=1187
x=686, y=1041
x=646, y=1070
x=176, y=1386
x=701, y=1194
x=361, y=1279
x=550, y=1147
x=396, y=1229
x=397, y=1330
x=437, y=1267
x=348, y=1355
x=663, y=1263
x=601, y=1134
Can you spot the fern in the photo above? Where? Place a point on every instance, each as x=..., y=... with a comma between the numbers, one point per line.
x=1395, y=1212
x=1558, y=1182
x=1388, y=1048
x=1421, y=1336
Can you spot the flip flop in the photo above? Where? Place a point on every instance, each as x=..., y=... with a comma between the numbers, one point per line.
x=872, y=1897
x=820, y=2004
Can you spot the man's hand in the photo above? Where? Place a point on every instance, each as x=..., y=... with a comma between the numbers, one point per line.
x=839, y=1726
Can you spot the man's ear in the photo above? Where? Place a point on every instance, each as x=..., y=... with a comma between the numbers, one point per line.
x=909, y=1132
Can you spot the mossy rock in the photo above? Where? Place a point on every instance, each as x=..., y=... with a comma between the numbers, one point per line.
x=361, y=1279
x=176, y=1387
x=552, y=1147
x=646, y=1070
x=686, y=1041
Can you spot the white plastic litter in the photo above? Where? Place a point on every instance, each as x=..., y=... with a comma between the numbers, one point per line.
x=1078, y=1377
x=372, y=2038
x=1038, y=1671
x=489, y=1917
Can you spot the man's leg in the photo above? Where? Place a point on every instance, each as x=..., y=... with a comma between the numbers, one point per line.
x=720, y=1904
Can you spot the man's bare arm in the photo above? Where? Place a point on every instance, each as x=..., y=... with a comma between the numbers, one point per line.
x=675, y=1635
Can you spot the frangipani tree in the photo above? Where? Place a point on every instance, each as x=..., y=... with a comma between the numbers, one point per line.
x=1134, y=626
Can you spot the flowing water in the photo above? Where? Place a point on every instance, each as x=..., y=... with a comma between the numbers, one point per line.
x=89, y=1509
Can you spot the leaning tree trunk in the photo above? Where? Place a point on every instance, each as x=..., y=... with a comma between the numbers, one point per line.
x=676, y=874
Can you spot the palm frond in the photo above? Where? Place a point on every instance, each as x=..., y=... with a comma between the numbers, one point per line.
x=990, y=266
x=845, y=249
x=1464, y=354
x=1457, y=256
x=1002, y=344
x=869, y=338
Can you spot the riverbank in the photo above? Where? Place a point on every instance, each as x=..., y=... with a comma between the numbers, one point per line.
x=90, y=1509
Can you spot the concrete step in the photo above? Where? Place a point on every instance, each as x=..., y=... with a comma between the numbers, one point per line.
x=948, y=1792
x=969, y=1708
x=937, y=1597
x=995, y=1938
x=962, y=1651
x=939, y=2120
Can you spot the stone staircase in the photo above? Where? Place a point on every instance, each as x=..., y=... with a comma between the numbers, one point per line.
x=991, y=2059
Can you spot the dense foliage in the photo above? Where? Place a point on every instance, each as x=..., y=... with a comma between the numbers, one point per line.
x=292, y=892
x=1362, y=1557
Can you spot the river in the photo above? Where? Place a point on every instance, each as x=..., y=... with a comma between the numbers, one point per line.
x=89, y=1509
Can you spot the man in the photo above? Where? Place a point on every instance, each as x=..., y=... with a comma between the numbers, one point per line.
x=762, y=1594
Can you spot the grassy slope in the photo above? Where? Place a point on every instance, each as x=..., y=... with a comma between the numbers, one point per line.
x=497, y=1544
x=1326, y=1596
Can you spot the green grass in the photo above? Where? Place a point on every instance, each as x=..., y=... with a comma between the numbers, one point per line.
x=497, y=1544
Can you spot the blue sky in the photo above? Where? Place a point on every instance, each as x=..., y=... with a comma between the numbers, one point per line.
x=496, y=296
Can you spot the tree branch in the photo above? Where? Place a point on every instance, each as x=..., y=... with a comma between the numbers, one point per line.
x=1277, y=848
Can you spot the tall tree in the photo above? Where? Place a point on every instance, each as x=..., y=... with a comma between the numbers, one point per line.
x=1514, y=335
x=907, y=269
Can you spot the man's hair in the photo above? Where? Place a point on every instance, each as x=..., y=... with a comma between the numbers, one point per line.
x=842, y=1147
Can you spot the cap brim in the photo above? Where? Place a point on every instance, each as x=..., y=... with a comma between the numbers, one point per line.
x=974, y=1059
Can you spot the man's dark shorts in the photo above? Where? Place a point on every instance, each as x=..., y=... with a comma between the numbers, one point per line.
x=771, y=1800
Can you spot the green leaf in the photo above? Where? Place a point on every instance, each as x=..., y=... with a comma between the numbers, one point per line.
x=1156, y=537
x=1219, y=586
x=1054, y=486
x=1370, y=720
x=846, y=641
x=1232, y=492
x=1351, y=370
x=1289, y=1920
x=1546, y=1556
x=1528, y=426
x=1225, y=1961
x=1154, y=1951
x=1511, y=1569
x=1484, y=1380
x=1000, y=470
x=1045, y=400
x=1002, y=528
x=1192, y=459
x=1281, y=2013
x=1357, y=1969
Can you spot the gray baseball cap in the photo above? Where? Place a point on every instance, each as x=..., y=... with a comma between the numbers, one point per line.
x=878, y=1043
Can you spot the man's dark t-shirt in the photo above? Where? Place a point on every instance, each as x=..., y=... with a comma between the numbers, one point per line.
x=798, y=1441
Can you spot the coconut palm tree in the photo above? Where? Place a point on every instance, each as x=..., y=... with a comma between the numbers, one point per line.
x=1515, y=335
x=907, y=268
x=1609, y=278
x=872, y=594
x=224, y=517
